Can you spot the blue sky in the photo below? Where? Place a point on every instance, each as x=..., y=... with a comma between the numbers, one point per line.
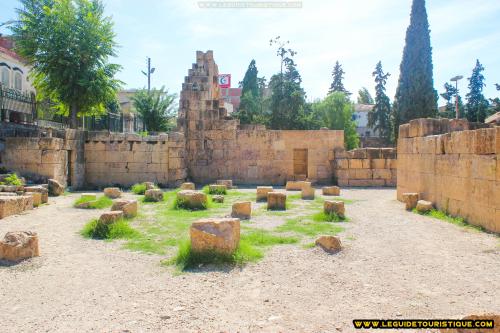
x=358, y=33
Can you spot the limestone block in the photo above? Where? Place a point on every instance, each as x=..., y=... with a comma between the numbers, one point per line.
x=262, y=192
x=187, y=186
x=37, y=198
x=330, y=244
x=424, y=206
x=150, y=185
x=404, y=131
x=12, y=205
x=242, y=210
x=40, y=189
x=307, y=193
x=382, y=174
x=8, y=194
x=220, y=235
x=356, y=164
x=336, y=207
x=192, y=199
x=296, y=185
x=217, y=189
x=331, y=190
x=112, y=192
x=410, y=200
x=55, y=188
x=378, y=163
x=227, y=182
x=485, y=141
x=110, y=217
x=366, y=182
x=276, y=201
x=19, y=245
x=154, y=195
x=218, y=198
x=128, y=207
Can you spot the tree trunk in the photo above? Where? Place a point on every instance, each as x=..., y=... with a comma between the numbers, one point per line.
x=73, y=120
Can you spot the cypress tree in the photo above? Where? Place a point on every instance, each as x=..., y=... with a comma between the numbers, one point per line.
x=415, y=94
x=250, y=96
x=379, y=116
x=477, y=105
x=338, y=78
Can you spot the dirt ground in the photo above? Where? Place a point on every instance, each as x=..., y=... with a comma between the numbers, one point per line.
x=395, y=264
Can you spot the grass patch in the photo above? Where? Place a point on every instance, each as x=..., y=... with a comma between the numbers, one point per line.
x=330, y=217
x=139, y=189
x=261, y=237
x=456, y=220
x=186, y=258
x=180, y=204
x=304, y=226
x=100, y=203
x=309, y=245
x=118, y=230
x=217, y=190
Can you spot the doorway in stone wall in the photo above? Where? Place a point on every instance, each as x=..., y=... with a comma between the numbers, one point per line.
x=300, y=164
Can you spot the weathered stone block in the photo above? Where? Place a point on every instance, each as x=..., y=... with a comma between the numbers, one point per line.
x=404, y=131
x=12, y=205
x=218, y=198
x=110, y=217
x=128, y=207
x=331, y=190
x=242, y=210
x=150, y=185
x=336, y=207
x=192, y=199
x=410, y=200
x=227, y=182
x=217, y=189
x=19, y=245
x=330, y=244
x=187, y=186
x=307, y=193
x=276, y=201
x=485, y=141
x=37, y=198
x=55, y=188
x=262, y=192
x=424, y=206
x=215, y=235
x=40, y=189
x=296, y=185
x=112, y=192
x=154, y=195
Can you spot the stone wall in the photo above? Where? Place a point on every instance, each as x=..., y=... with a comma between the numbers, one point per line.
x=126, y=159
x=454, y=165
x=366, y=167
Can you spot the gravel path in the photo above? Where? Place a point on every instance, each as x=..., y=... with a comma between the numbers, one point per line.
x=395, y=265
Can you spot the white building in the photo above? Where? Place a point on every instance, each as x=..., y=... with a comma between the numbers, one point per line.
x=360, y=116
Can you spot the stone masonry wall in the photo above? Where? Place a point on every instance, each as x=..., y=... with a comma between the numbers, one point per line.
x=454, y=165
x=366, y=167
x=126, y=159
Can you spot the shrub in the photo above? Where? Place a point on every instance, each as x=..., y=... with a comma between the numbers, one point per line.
x=12, y=179
x=328, y=217
x=119, y=229
x=139, y=188
x=216, y=191
x=182, y=204
x=101, y=203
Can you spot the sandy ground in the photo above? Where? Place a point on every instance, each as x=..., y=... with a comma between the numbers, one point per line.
x=395, y=265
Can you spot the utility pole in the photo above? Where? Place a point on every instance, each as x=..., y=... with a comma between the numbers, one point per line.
x=456, y=79
x=148, y=74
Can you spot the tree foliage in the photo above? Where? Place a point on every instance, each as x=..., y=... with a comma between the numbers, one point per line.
x=477, y=104
x=338, y=80
x=67, y=43
x=496, y=101
x=335, y=112
x=251, y=109
x=364, y=96
x=449, y=95
x=157, y=109
x=415, y=94
x=379, y=118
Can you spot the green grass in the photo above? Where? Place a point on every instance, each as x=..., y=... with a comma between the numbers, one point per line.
x=305, y=226
x=330, y=217
x=186, y=258
x=100, y=203
x=456, y=220
x=217, y=191
x=139, y=189
x=118, y=230
x=180, y=204
x=261, y=237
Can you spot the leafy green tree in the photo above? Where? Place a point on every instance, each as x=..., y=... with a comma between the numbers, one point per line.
x=335, y=112
x=496, y=101
x=379, y=118
x=338, y=78
x=251, y=106
x=67, y=43
x=449, y=96
x=477, y=105
x=157, y=109
x=364, y=96
x=415, y=94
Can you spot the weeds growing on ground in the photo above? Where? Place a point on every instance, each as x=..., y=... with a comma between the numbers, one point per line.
x=305, y=226
x=328, y=217
x=99, y=203
x=117, y=230
x=440, y=215
x=214, y=191
x=139, y=189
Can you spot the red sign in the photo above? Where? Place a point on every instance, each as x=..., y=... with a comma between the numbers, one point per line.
x=225, y=80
